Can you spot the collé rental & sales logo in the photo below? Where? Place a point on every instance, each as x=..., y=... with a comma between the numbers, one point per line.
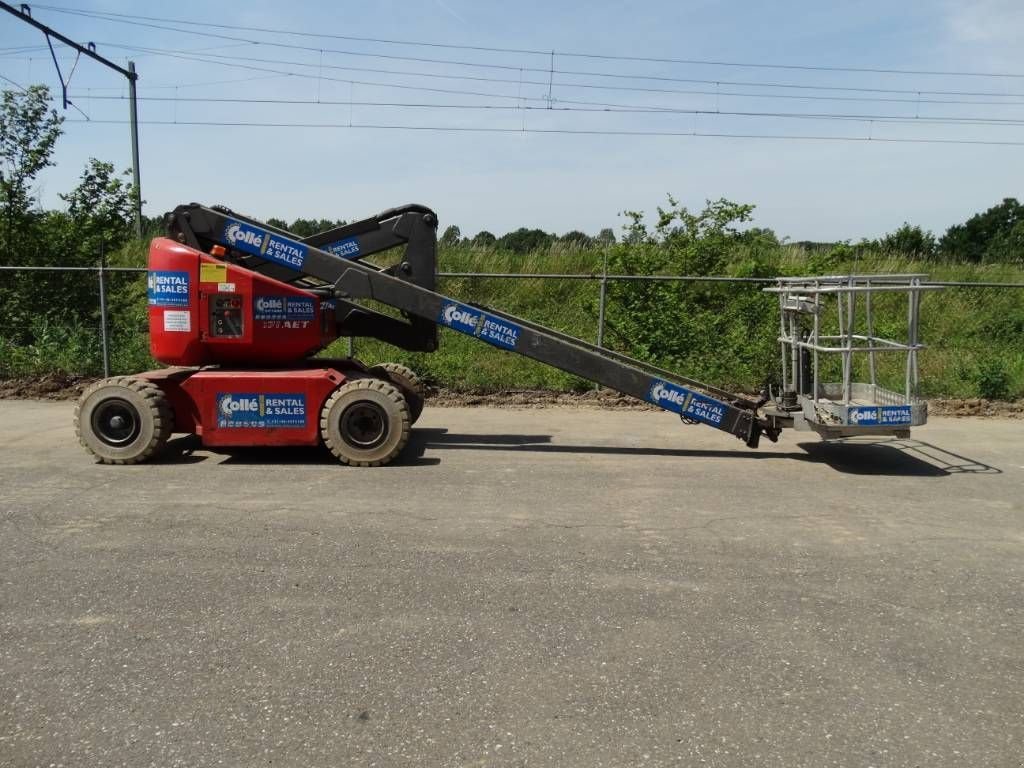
x=887, y=415
x=283, y=308
x=691, y=404
x=271, y=409
x=258, y=242
x=473, y=322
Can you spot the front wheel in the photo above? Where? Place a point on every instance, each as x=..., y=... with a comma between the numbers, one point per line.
x=365, y=423
x=123, y=420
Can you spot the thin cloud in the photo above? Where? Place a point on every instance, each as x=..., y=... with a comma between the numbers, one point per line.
x=449, y=10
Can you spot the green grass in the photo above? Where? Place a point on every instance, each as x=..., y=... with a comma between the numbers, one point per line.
x=975, y=335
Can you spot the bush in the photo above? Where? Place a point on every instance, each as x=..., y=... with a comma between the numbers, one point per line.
x=993, y=378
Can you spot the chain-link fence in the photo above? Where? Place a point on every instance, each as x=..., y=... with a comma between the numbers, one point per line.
x=93, y=320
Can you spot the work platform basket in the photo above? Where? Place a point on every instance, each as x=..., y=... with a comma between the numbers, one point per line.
x=828, y=330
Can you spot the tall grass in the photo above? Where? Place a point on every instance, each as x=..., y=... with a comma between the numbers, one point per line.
x=975, y=335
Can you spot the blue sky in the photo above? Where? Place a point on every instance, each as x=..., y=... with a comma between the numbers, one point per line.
x=804, y=189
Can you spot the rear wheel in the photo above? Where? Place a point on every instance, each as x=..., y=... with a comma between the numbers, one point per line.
x=365, y=422
x=123, y=420
x=407, y=381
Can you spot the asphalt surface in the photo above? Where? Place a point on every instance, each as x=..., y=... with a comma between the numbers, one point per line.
x=532, y=587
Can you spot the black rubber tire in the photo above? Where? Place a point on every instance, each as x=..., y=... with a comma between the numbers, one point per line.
x=380, y=401
x=149, y=415
x=407, y=381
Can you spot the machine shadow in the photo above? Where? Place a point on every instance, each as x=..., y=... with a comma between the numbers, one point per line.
x=896, y=456
x=901, y=458
x=854, y=456
x=182, y=450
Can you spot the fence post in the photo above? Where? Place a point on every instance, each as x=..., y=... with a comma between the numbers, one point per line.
x=601, y=302
x=103, y=317
x=600, y=307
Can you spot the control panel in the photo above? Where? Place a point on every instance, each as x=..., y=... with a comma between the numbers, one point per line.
x=226, y=315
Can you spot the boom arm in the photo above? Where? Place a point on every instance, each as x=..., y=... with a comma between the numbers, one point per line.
x=409, y=287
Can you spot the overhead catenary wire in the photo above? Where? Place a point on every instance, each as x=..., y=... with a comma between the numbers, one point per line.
x=694, y=92
x=314, y=49
x=402, y=86
x=125, y=17
x=563, y=131
x=609, y=108
x=696, y=81
x=559, y=104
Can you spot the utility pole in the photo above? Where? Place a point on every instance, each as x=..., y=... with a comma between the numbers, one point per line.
x=25, y=14
x=135, y=148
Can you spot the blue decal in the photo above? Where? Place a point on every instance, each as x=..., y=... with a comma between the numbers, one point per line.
x=167, y=289
x=236, y=409
x=691, y=404
x=347, y=248
x=667, y=396
x=886, y=416
x=268, y=307
x=299, y=308
x=266, y=245
x=863, y=416
x=283, y=308
x=896, y=414
x=705, y=409
x=474, y=322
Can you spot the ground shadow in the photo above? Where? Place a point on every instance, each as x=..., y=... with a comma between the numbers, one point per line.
x=902, y=458
x=182, y=450
x=856, y=456
x=905, y=457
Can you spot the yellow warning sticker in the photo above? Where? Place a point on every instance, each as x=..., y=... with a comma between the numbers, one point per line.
x=213, y=273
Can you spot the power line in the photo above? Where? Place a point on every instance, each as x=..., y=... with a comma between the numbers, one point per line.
x=450, y=62
x=110, y=16
x=19, y=86
x=606, y=109
x=687, y=92
x=563, y=131
x=555, y=71
x=400, y=86
x=170, y=53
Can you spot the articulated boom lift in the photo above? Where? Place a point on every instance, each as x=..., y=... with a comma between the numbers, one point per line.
x=239, y=308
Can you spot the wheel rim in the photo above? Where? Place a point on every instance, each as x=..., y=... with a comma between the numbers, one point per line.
x=364, y=425
x=116, y=422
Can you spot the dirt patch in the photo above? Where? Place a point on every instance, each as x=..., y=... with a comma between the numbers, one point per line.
x=70, y=387
x=528, y=398
x=52, y=386
x=977, y=407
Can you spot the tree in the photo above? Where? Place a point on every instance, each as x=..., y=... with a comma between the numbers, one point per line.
x=451, y=236
x=310, y=227
x=992, y=229
x=1007, y=246
x=605, y=237
x=909, y=240
x=524, y=240
x=577, y=239
x=101, y=207
x=29, y=129
x=484, y=239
